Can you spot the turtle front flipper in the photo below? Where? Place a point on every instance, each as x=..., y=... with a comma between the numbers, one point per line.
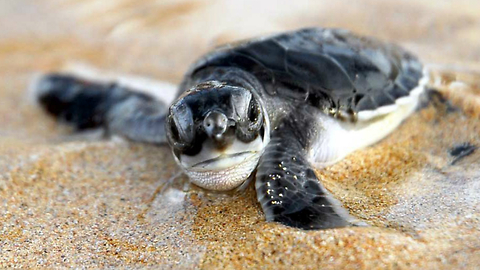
x=86, y=104
x=287, y=187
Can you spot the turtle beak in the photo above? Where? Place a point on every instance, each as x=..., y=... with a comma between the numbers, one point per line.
x=215, y=124
x=219, y=129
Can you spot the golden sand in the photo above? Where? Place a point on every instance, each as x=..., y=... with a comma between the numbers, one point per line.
x=83, y=201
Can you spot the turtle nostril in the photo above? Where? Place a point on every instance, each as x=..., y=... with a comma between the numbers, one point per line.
x=215, y=124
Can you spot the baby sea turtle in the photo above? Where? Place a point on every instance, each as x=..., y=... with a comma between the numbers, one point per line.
x=270, y=108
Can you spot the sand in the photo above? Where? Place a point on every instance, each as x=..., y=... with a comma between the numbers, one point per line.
x=85, y=201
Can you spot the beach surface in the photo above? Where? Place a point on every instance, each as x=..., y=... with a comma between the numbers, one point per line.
x=81, y=200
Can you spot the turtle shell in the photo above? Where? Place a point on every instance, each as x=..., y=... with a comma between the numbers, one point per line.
x=333, y=69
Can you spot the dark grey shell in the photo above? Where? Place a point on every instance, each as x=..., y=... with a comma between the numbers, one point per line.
x=332, y=69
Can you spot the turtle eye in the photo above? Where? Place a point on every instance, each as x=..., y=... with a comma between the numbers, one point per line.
x=172, y=132
x=172, y=135
x=180, y=127
x=240, y=101
x=254, y=115
x=249, y=128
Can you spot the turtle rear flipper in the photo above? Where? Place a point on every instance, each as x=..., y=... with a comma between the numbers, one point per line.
x=86, y=104
x=287, y=187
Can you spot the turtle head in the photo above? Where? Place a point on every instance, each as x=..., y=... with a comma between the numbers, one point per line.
x=218, y=133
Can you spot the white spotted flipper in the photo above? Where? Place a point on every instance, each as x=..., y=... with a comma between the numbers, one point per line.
x=287, y=187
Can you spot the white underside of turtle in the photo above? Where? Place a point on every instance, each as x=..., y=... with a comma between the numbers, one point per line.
x=342, y=138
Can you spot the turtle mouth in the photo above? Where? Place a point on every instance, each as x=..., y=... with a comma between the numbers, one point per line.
x=224, y=161
x=225, y=172
x=222, y=170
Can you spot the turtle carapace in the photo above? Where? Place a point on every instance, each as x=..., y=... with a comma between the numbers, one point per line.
x=271, y=108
